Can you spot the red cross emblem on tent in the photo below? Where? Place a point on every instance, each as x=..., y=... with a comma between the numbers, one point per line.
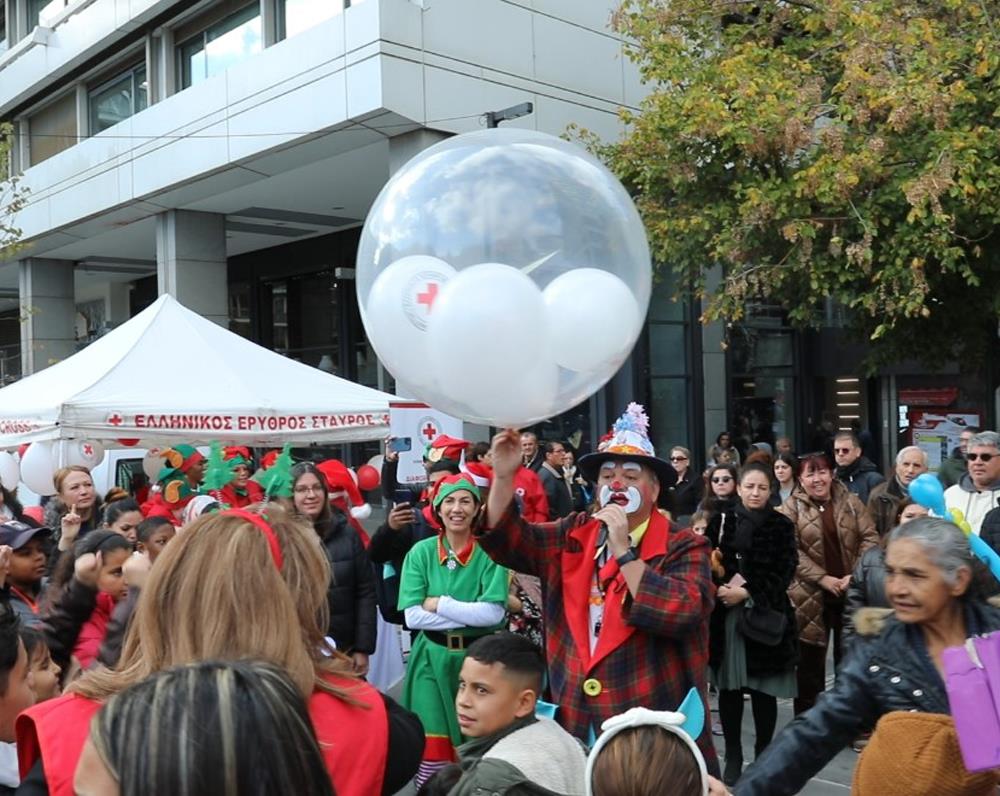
x=87, y=449
x=115, y=420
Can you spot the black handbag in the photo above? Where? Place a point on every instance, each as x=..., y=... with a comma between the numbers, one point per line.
x=761, y=625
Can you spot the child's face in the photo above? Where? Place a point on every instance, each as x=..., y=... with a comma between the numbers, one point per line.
x=157, y=540
x=20, y=694
x=126, y=523
x=27, y=563
x=489, y=699
x=111, y=579
x=45, y=673
x=700, y=526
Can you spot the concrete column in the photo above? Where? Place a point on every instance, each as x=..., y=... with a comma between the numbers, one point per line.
x=713, y=362
x=48, y=313
x=191, y=261
x=405, y=146
x=117, y=302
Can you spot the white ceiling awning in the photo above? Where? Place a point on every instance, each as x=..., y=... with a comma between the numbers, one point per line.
x=168, y=375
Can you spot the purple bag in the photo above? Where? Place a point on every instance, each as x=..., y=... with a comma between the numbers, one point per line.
x=972, y=678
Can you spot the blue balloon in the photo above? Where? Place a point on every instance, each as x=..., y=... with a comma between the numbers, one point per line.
x=928, y=492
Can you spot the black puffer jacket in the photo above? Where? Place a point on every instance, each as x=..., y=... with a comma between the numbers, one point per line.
x=989, y=531
x=684, y=496
x=763, y=542
x=352, y=588
x=888, y=668
x=860, y=478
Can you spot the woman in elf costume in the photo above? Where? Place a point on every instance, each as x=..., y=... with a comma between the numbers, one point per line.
x=453, y=593
x=241, y=491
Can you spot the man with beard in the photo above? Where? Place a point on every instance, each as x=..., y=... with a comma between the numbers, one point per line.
x=627, y=595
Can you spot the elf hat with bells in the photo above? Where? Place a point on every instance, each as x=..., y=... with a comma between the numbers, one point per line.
x=343, y=486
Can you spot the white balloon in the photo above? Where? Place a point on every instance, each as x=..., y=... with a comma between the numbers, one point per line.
x=399, y=305
x=594, y=319
x=10, y=471
x=487, y=346
x=86, y=452
x=376, y=461
x=152, y=463
x=37, y=468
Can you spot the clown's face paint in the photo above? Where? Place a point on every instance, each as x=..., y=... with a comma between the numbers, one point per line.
x=627, y=485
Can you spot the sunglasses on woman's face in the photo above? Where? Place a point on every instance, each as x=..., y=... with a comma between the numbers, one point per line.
x=979, y=457
x=678, y=458
x=723, y=480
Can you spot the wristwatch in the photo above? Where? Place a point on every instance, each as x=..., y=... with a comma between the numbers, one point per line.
x=627, y=556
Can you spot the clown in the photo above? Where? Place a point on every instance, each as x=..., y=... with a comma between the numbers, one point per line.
x=628, y=595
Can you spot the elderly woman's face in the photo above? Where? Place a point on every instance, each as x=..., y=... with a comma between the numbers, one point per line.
x=915, y=586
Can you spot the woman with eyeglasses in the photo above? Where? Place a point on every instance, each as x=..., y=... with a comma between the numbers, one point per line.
x=720, y=504
x=833, y=529
x=351, y=595
x=685, y=495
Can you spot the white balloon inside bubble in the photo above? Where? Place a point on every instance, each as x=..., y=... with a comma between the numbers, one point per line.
x=485, y=337
x=593, y=319
x=496, y=212
x=397, y=310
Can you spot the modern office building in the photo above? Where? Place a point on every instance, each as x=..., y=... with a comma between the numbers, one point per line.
x=227, y=152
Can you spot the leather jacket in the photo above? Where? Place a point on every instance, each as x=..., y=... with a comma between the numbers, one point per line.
x=887, y=669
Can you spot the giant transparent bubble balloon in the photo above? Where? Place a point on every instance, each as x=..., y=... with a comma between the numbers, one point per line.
x=503, y=276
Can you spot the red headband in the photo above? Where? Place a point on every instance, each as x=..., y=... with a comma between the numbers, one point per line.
x=267, y=530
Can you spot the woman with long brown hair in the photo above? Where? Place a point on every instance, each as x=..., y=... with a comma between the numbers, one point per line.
x=239, y=585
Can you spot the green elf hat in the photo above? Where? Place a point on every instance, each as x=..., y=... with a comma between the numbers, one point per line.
x=455, y=483
x=182, y=457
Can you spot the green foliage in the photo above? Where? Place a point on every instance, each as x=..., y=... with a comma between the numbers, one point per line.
x=12, y=196
x=218, y=471
x=819, y=150
x=276, y=480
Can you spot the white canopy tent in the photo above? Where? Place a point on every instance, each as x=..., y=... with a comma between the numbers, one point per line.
x=169, y=375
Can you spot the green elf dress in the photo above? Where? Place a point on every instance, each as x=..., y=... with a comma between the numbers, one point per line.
x=472, y=588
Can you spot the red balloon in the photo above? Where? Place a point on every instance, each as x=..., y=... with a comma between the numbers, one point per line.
x=368, y=477
x=129, y=443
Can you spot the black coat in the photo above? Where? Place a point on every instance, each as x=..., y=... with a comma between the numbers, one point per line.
x=762, y=546
x=989, y=531
x=887, y=669
x=386, y=551
x=867, y=587
x=860, y=477
x=352, y=588
x=556, y=493
x=684, y=496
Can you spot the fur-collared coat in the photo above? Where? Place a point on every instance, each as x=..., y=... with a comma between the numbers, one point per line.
x=856, y=533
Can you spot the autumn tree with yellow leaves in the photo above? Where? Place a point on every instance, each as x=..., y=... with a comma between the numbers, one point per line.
x=830, y=148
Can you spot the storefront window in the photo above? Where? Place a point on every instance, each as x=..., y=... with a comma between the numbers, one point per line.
x=220, y=46
x=118, y=99
x=762, y=384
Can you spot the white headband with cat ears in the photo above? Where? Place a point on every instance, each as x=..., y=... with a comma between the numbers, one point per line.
x=686, y=723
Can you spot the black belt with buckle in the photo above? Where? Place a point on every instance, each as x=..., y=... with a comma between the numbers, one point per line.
x=453, y=641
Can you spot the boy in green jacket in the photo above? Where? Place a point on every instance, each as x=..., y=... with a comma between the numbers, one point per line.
x=510, y=751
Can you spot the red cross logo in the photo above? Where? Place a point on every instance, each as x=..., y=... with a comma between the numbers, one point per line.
x=115, y=419
x=428, y=296
x=429, y=431
x=88, y=449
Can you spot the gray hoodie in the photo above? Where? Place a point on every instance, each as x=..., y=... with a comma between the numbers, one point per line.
x=974, y=504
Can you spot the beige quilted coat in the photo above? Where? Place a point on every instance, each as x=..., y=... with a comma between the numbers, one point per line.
x=857, y=533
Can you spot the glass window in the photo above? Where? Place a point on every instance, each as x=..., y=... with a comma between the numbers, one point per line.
x=52, y=129
x=220, y=46
x=4, y=44
x=662, y=306
x=667, y=349
x=239, y=309
x=118, y=99
x=669, y=405
x=298, y=15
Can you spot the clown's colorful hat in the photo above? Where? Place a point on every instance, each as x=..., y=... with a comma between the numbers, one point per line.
x=629, y=442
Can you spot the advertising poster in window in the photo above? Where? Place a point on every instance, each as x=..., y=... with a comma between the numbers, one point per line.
x=937, y=433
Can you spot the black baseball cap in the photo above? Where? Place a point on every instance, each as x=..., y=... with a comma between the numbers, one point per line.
x=17, y=534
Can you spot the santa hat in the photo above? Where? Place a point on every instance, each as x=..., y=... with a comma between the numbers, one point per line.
x=480, y=473
x=445, y=447
x=269, y=458
x=343, y=486
x=236, y=455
